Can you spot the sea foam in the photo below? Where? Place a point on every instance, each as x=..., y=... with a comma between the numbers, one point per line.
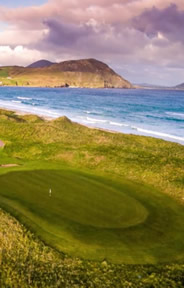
x=159, y=134
x=24, y=98
x=175, y=114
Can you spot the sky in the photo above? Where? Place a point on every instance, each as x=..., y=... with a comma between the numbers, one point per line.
x=21, y=3
x=142, y=40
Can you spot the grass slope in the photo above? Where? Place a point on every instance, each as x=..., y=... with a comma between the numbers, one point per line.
x=28, y=263
x=94, y=212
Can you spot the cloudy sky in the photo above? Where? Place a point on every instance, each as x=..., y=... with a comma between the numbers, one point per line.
x=143, y=40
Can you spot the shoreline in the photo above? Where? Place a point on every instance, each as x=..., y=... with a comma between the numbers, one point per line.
x=78, y=87
x=47, y=118
x=22, y=113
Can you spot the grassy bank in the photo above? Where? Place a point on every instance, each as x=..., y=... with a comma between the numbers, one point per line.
x=26, y=262
x=114, y=197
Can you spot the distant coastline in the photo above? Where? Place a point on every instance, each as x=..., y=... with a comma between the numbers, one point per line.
x=84, y=73
x=152, y=87
x=135, y=87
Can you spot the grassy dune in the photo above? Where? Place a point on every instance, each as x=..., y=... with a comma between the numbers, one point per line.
x=115, y=197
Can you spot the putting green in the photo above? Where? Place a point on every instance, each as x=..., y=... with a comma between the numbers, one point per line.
x=95, y=218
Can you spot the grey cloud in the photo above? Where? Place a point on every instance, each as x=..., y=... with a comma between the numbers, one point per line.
x=65, y=34
x=89, y=39
x=168, y=21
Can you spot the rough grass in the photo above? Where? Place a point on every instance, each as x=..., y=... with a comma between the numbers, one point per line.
x=27, y=263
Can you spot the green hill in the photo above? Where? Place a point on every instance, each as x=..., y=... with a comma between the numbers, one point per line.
x=88, y=73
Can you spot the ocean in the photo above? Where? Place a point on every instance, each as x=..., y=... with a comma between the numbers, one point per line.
x=156, y=113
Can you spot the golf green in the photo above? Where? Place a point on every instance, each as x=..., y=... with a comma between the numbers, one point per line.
x=95, y=218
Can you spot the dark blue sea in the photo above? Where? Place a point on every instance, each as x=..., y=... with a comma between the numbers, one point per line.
x=156, y=113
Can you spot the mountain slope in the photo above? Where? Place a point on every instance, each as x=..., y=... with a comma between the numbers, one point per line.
x=86, y=73
x=180, y=86
x=40, y=64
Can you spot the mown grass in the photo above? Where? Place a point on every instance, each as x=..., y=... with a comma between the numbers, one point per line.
x=32, y=143
x=95, y=218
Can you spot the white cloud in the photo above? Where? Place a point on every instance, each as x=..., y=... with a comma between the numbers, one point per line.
x=13, y=36
x=19, y=55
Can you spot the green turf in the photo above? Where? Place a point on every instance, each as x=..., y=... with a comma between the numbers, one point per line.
x=94, y=217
